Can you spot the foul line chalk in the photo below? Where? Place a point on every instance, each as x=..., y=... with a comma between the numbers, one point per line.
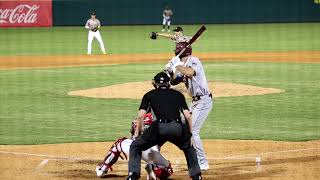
x=43, y=155
x=247, y=156
x=42, y=164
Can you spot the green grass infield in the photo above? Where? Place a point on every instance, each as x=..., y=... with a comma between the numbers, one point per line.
x=36, y=109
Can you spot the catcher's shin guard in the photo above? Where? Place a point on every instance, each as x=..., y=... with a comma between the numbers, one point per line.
x=111, y=157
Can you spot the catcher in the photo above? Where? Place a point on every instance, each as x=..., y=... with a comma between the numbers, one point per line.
x=157, y=166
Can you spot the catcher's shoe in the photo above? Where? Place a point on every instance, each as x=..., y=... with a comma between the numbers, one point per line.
x=151, y=175
x=100, y=171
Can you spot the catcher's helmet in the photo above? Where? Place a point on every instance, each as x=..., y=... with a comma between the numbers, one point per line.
x=180, y=46
x=161, y=80
x=162, y=172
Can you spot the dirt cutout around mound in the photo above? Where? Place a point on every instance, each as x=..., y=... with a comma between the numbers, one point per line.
x=135, y=90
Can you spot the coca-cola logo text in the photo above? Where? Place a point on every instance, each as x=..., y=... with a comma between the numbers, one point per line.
x=20, y=14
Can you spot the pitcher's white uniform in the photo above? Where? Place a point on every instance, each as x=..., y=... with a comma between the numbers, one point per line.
x=91, y=24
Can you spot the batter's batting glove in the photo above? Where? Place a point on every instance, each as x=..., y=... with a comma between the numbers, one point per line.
x=153, y=35
x=176, y=61
x=169, y=67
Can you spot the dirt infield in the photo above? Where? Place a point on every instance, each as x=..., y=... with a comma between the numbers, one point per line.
x=18, y=62
x=228, y=159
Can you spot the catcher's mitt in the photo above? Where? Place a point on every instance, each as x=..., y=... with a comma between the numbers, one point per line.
x=95, y=29
x=153, y=35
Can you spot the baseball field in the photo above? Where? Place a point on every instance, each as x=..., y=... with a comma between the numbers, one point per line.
x=61, y=110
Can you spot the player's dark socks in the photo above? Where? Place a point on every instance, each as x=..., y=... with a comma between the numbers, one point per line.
x=133, y=176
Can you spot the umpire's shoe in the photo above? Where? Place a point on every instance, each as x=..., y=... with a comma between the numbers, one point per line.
x=197, y=177
x=133, y=176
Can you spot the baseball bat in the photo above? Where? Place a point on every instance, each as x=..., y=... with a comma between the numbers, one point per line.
x=193, y=39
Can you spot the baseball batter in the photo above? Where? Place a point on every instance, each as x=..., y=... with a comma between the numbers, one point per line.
x=190, y=71
x=157, y=166
x=93, y=25
x=167, y=13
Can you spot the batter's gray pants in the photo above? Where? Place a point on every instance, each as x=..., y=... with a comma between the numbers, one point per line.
x=200, y=110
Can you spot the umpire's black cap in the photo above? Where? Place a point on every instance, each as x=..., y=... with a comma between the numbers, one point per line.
x=93, y=13
x=178, y=29
x=161, y=78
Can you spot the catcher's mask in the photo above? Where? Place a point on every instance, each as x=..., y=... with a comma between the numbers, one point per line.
x=161, y=80
x=180, y=46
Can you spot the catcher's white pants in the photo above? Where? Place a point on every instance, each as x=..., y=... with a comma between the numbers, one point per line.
x=151, y=155
x=96, y=35
x=200, y=111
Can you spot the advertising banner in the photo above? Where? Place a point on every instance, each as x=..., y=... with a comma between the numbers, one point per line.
x=26, y=13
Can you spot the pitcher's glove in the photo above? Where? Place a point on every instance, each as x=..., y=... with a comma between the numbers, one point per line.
x=153, y=35
x=95, y=29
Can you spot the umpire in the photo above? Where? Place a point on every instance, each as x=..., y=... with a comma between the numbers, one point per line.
x=166, y=104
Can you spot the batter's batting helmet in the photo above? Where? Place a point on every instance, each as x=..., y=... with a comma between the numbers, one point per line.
x=180, y=46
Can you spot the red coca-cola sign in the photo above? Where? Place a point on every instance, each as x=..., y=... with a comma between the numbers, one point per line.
x=25, y=13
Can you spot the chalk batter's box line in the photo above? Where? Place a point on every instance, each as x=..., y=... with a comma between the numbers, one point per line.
x=248, y=156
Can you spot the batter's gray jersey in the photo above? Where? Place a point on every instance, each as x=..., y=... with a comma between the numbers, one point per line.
x=198, y=84
x=91, y=24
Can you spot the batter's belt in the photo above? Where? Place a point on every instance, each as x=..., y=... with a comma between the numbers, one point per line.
x=197, y=98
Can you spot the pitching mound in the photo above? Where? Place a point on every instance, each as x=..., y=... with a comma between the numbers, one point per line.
x=135, y=90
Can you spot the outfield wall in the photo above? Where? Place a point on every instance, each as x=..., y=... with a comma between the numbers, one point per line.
x=76, y=12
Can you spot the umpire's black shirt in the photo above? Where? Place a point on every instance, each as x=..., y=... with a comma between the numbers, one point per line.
x=165, y=103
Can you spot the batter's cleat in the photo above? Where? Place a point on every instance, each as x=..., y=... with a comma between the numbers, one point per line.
x=133, y=176
x=163, y=30
x=204, y=167
x=150, y=173
x=104, y=52
x=197, y=177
